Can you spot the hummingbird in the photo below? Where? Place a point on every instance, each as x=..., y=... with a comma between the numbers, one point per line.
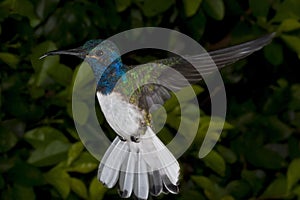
x=137, y=160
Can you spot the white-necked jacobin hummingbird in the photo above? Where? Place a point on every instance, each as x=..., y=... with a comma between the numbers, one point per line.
x=137, y=160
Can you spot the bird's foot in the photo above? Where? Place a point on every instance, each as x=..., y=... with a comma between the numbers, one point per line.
x=135, y=139
x=122, y=139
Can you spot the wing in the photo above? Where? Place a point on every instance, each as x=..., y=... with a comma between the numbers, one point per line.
x=176, y=72
x=220, y=58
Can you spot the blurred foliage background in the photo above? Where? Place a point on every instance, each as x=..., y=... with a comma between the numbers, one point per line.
x=258, y=154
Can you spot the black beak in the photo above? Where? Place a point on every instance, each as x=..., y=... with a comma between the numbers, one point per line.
x=79, y=52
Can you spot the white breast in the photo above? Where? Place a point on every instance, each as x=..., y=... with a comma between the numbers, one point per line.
x=122, y=116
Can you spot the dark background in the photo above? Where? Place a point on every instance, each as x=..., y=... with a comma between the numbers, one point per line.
x=257, y=156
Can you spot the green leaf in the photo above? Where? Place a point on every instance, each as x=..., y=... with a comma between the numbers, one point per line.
x=211, y=189
x=73, y=133
x=16, y=126
x=173, y=120
x=262, y=157
x=214, y=8
x=44, y=7
x=122, y=4
x=235, y=7
x=96, y=190
x=160, y=117
x=10, y=59
x=279, y=130
x=255, y=178
x=41, y=78
x=214, y=161
x=293, y=42
x=85, y=163
x=36, y=92
x=4, y=10
x=61, y=74
x=191, y=193
x=24, y=174
x=260, y=8
x=227, y=154
x=22, y=7
x=293, y=146
x=152, y=8
x=165, y=135
x=18, y=104
x=74, y=152
x=227, y=197
x=21, y=192
x=7, y=139
x=297, y=191
x=136, y=18
x=196, y=32
x=7, y=163
x=294, y=103
x=202, y=131
x=84, y=79
x=188, y=93
x=78, y=187
x=288, y=25
x=239, y=189
x=84, y=112
x=276, y=190
x=288, y=9
x=293, y=173
x=60, y=180
x=277, y=98
x=42, y=136
x=191, y=7
x=188, y=128
x=216, y=123
x=274, y=53
x=204, y=182
x=53, y=153
x=49, y=69
x=171, y=104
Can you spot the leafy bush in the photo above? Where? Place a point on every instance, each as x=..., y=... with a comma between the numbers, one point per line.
x=258, y=153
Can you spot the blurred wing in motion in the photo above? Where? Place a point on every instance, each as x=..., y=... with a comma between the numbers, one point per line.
x=205, y=63
x=220, y=58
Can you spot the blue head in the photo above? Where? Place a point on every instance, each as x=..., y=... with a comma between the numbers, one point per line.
x=104, y=58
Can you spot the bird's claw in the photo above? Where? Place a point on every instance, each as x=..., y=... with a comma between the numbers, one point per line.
x=135, y=139
x=122, y=139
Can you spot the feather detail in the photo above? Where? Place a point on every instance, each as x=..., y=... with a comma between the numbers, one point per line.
x=127, y=176
x=109, y=168
x=155, y=183
x=161, y=161
x=205, y=62
x=140, y=167
x=141, y=184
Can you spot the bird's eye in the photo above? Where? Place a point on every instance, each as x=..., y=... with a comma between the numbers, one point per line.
x=99, y=53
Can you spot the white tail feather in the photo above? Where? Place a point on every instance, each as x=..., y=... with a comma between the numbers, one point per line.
x=127, y=176
x=141, y=185
x=140, y=167
x=110, y=170
x=158, y=156
x=168, y=162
